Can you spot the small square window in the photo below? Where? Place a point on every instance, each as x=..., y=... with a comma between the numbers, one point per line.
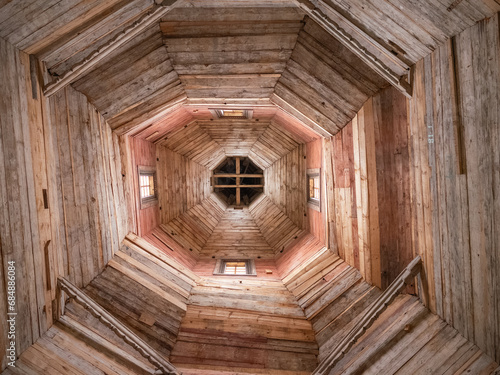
x=232, y=113
x=235, y=267
x=314, y=188
x=147, y=186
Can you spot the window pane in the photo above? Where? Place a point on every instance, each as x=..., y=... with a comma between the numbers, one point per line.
x=235, y=268
x=146, y=182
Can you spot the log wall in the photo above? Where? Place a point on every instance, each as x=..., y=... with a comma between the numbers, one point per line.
x=285, y=185
x=61, y=193
x=144, y=154
x=368, y=166
x=455, y=164
x=316, y=219
x=182, y=183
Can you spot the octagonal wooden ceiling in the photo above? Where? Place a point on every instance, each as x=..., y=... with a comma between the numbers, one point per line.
x=314, y=61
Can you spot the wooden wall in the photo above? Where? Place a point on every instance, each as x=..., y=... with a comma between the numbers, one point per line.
x=276, y=227
x=61, y=193
x=455, y=164
x=368, y=166
x=316, y=219
x=144, y=154
x=182, y=183
x=408, y=339
x=285, y=185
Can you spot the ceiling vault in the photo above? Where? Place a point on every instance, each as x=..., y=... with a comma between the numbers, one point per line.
x=78, y=70
x=400, y=82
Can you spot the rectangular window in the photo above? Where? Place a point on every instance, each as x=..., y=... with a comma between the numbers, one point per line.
x=235, y=267
x=147, y=186
x=314, y=188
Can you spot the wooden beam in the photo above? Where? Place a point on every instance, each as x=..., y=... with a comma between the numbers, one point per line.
x=240, y=175
x=290, y=110
x=375, y=309
x=399, y=82
x=238, y=190
x=121, y=330
x=157, y=12
x=238, y=186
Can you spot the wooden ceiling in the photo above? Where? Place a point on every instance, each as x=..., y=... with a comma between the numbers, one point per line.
x=313, y=62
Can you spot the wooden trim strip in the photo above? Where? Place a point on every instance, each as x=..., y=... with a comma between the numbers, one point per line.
x=157, y=12
x=367, y=320
x=355, y=47
x=164, y=367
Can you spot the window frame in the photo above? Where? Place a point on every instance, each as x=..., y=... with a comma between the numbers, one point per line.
x=314, y=203
x=220, y=266
x=151, y=200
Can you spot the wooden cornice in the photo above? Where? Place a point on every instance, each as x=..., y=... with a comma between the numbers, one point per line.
x=153, y=16
x=370, y=316
x=399, y=82
x=164, y=367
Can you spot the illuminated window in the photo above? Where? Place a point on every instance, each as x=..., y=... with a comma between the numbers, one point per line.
x=235, y=267
x=147, y=186
x=314, y=188
x=232, y=113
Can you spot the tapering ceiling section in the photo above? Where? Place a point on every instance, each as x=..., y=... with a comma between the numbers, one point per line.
x=325, y=81
x=135, y=83
x=230, y=52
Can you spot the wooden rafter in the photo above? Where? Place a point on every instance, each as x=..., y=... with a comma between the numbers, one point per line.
x=163, y=366
x=157, y=12
x=399, y=82
x=238, y=176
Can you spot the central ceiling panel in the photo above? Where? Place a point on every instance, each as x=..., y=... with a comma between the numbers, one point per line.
x=230, y=52
x=235, y=136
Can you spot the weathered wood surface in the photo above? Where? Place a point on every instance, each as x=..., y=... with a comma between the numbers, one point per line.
x=317, y=218
x=408, y=339
x=276, y=227
x=84, y=66
x=78, y=296
x=229, y=53
x=146, y=290
x=286, y=186
x=139, y=152
x=134, y=83
x=182, y=183
x=195, y=143
x=194, y=227
x=324, y=81
x=369, y=316
x=409, y=30
x=369, y=173
x=454, y=165
x=237, y=339
x=60, y=190
x=236, y=137
x=236, y=236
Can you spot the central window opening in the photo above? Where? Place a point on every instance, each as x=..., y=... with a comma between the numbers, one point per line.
x=235, y=268
x=238, y=181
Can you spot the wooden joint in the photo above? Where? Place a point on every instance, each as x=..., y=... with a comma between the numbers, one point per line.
x=373, y=312
x=355, y=47
x=157, y=12
x=163, y=366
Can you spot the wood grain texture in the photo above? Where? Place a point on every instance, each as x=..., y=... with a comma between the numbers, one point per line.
x=455, y=208
x=194, y=227
x=64, y=147
x=286, y=185
x=276, y=227
x=182, y=184
x=236, y=236
x=408, y=339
